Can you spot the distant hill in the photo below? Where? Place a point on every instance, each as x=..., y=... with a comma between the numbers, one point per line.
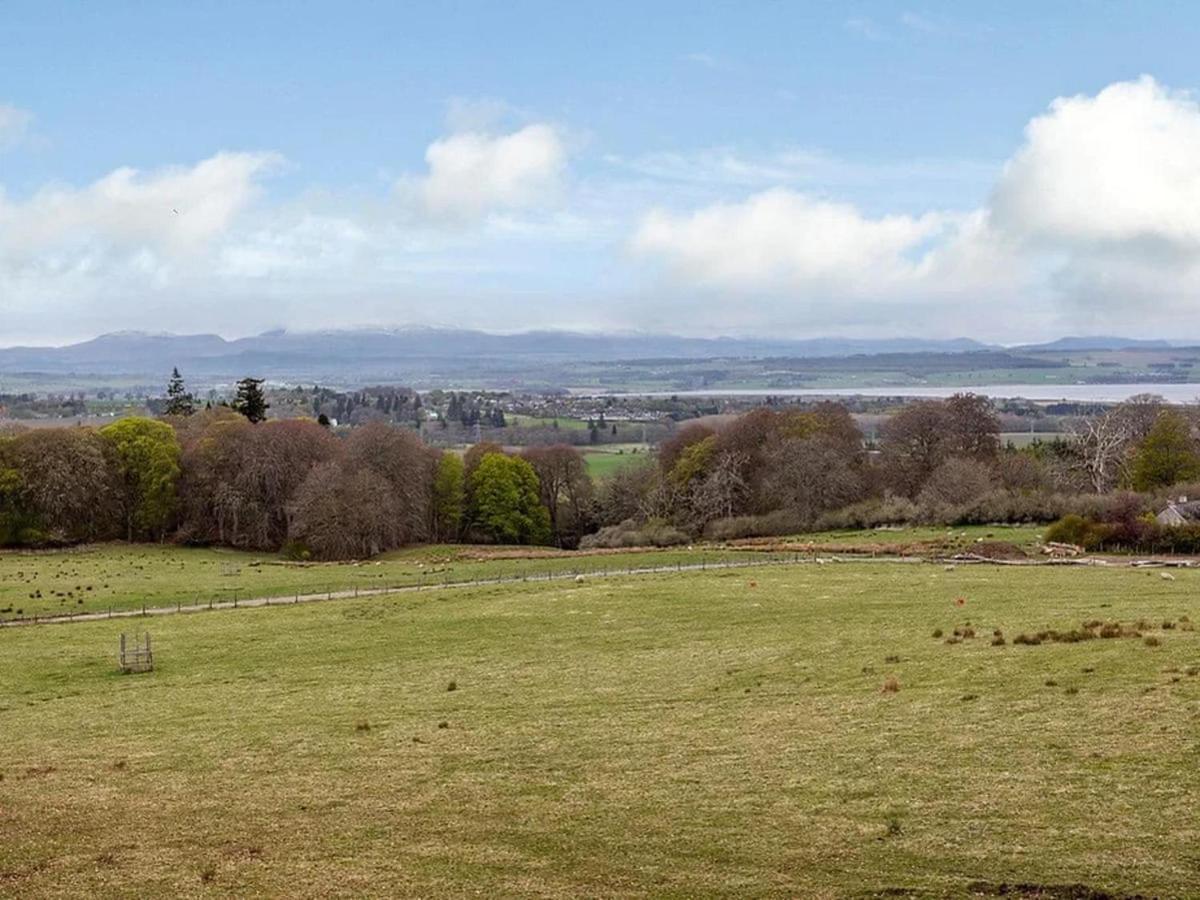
x=354, y=354
x=1098, y=342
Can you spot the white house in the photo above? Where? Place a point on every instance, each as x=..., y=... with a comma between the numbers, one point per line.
x=1180, y=512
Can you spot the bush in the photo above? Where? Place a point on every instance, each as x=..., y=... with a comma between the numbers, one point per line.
x=629, y=533
x=781, y=521
x=1070, y=529
x=889, y=510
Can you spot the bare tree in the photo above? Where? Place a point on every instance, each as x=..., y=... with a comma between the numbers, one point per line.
x=808, y=476
x=345, y=514
x=626, y=493
x=723, y=491
x=566, y=490
x=407, y=466
x=69, y=481
x=1102, y=444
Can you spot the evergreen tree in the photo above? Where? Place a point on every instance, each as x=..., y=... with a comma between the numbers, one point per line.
x=250, y=401
x=179, y=401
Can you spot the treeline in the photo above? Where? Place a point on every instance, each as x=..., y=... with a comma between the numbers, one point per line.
x=220, y=476
x=216, y=477
x=774, y=472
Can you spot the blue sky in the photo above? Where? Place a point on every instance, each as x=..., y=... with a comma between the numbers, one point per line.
x=799, y=168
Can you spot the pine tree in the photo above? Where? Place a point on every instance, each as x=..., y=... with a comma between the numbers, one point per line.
x=179, y=401
x=250, y=401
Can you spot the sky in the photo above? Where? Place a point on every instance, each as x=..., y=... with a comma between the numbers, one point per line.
x=1008, y=171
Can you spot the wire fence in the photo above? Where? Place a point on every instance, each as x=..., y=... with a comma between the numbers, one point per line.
x=424, y=583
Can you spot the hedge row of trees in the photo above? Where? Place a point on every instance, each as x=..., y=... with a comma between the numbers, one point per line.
x=938, y=462
x=220, y=477
x=216, y=477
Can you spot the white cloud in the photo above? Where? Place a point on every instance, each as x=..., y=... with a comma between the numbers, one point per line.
x=1118, y=168
x=171, y=212
x=783, y=239
x=1095, y=219
x=1093, y=223
x=472, y=174
x=14, y=125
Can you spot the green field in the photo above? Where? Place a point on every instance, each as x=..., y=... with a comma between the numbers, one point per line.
x=715, y=734
x=99, y=578
x=547, y=422
x=123, y=576
x=603, y=461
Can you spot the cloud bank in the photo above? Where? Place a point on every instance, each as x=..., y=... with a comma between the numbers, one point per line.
x=1096, y=213
x=1093, y=223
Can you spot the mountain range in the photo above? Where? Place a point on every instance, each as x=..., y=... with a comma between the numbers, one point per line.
x=453, y=355
x=276, y=352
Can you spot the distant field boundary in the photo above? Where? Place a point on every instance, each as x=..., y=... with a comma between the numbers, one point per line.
x=790, y=559
x=354, y=593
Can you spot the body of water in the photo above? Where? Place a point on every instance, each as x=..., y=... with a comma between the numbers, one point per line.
x=1076, y=393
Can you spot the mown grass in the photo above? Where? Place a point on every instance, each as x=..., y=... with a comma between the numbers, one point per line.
x=777, y=731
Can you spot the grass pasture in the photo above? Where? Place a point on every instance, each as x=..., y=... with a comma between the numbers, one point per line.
x=604, y=460
x=708, y=734
x=96, y=578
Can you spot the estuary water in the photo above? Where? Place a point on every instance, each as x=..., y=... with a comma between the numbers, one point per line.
x=1078, y=393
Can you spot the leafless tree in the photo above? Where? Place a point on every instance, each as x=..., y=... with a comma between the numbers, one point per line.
x=68, y=480
x=407, y=466
x=338, y=513
x=808, y=476
x=956, y=482
x=625, y=495
x=723, y=491
x=1102, y=445
x=566, y=490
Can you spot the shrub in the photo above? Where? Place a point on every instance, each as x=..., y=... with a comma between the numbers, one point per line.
x=779, y=522
x=629, y=533
x=871, y=514
x=1070, y=529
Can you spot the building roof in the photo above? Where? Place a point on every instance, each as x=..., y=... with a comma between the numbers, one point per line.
x=1189, y=510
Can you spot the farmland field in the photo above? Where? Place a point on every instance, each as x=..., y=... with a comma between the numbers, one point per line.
x=97, y=578
x=604, y=460
x=790, y=731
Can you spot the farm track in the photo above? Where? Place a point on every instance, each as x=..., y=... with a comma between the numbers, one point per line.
x=796, y=560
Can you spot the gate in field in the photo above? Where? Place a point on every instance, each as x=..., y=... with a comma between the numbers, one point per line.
x=136, y=655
